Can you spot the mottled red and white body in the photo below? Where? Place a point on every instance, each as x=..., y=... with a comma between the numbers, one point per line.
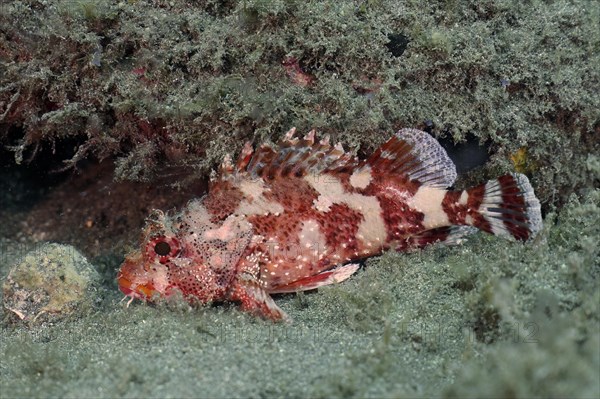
x=294, y=217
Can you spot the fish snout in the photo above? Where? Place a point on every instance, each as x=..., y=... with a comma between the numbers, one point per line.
x=133, y=279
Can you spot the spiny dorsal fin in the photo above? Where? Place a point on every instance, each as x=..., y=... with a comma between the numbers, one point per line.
x=293, y=156
x=415, y=154
x=245, y=156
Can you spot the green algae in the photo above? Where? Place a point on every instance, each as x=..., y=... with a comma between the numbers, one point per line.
x=184, y=83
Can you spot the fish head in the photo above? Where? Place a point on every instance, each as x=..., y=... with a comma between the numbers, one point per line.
x=187, y=253
x=145, y=273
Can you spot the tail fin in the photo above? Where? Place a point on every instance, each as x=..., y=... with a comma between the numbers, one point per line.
x=508, y=207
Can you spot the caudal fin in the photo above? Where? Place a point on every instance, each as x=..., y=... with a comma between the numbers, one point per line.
x=508, y=207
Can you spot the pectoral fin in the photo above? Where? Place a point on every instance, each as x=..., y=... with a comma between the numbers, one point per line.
x=256, y=300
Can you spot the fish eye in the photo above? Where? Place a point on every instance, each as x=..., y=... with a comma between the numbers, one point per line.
x=162, y=248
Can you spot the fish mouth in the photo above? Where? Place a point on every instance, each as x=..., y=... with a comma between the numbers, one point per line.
x=130, y=289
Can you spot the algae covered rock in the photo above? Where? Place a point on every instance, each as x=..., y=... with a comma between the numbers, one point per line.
x=49, y=283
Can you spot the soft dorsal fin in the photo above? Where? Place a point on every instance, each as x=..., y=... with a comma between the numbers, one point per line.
x=291, y=156
x=415, y=154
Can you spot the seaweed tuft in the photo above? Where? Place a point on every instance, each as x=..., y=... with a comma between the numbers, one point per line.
x=181, y=80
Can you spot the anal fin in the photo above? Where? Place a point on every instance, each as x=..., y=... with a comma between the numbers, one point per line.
x=446, y=235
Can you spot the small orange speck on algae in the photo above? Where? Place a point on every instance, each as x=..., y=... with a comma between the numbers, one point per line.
x=521, y=161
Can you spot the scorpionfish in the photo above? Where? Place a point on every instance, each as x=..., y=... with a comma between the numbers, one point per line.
x=298, y=215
